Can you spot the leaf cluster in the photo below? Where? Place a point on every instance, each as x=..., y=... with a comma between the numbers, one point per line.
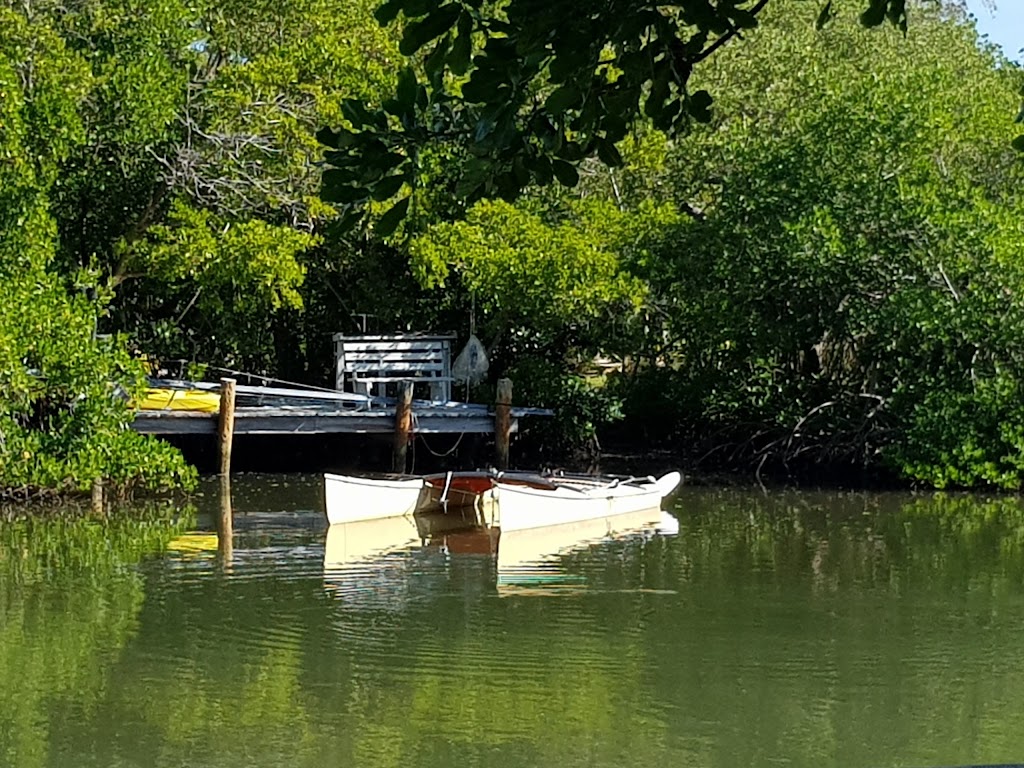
x=528, y=89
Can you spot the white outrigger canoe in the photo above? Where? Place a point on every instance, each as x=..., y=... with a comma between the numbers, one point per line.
x=509, y=501
x=519, y=507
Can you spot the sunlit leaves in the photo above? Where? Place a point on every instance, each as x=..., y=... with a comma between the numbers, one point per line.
x=62, y=391
x=251, y=263
x=516, y=262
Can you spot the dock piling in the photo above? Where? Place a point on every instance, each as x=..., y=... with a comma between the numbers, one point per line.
x=227, y=424
x=403, y=426
x=502, y=423
x=97, y=496
x=225, y=524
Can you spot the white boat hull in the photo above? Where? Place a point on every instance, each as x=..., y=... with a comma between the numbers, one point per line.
x=519, y=507
x=351, y=499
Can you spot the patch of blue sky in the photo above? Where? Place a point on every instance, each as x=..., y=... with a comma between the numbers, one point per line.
x=1002, y=22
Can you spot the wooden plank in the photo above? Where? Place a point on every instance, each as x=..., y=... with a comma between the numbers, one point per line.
x=391, y=346
x=387, y=365
x=368, y=366
x=417, y=379
x=376, y=337
x=310, y=423
x=391, y=359
x=426, y=351
x=394, y=346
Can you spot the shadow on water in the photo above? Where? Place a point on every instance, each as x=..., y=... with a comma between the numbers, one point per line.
x=799, y=629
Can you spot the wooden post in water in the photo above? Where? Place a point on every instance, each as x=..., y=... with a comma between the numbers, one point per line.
x=97, y=495
x=403, y=426
x=227, y=424
x=502, y=423
x=225, y=523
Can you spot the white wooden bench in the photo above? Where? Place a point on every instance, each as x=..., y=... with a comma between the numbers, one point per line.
x=368, y=364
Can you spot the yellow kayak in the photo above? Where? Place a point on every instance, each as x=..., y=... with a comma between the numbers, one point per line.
x=179, y=400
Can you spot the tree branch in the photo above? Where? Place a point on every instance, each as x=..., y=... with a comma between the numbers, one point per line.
x=733, y=32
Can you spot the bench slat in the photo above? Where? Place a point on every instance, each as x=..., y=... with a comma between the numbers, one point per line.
x=393, y=346
x=368, y=366
x=377, y=337
x=391, y=357
x=417, y=379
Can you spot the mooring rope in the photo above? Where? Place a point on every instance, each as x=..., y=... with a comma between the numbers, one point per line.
x=265, y=378
x=449, y=452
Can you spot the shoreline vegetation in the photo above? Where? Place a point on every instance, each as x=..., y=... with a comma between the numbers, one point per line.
x=816, y=272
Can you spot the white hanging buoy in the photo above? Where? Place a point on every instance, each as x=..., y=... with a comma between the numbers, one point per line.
x=471, y=364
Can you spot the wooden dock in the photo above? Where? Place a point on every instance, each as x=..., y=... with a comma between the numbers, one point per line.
x=255, y=410
x=428, y=419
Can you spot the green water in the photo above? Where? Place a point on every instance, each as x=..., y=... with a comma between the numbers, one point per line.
x=781, y=629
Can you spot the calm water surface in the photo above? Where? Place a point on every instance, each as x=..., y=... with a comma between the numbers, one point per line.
x=794, y=629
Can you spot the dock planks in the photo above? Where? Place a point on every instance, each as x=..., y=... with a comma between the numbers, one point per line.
x=266, y=420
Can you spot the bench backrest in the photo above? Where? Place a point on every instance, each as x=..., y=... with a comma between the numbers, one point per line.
x=366, y=361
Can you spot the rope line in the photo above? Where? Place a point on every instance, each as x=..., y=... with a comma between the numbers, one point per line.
x=449, y=452
x=264, y=378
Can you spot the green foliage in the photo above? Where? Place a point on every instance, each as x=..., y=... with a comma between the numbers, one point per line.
x=227, y=276
x=165, y=160
x=253, y=259
x=63, y=392
x=64, y=410
x=550, y=287
x=830, y=262
x=527, y=89
x=195, y=133
x=582, y=405
x=542, y=273
x=965, y=439
x=848, y=290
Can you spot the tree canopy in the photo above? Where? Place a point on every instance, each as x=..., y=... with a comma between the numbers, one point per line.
x=821, y=266
x=847, y=286
x=160, y=180
x=527, y=89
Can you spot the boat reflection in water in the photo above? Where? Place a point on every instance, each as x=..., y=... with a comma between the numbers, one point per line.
x=532, y=561
x=380, y=556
